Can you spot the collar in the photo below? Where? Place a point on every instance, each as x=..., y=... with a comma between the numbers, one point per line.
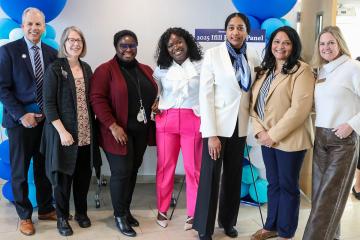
x=187, y=67
x=31, y=44
x=331, y=66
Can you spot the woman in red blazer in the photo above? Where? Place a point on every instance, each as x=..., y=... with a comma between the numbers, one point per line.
x=122, y=93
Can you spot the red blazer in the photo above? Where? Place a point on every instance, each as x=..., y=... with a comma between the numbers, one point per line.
x=109, y=100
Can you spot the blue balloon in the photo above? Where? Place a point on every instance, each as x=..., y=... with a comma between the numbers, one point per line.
x=6, y=25
x=247, y=176
x=261, y=187
x=31, y=172
x=51, y=42
x=245, y=162
x=32, y=194
x=5, y=171
x=50, y=32
x=270, y=25
x=263, y=9
x=286, y=22
x=1, y=112
x=246, y=152
x=15, y=8
x=244, y=189
x=254, y=23
x=5, y=152
x=7, y=191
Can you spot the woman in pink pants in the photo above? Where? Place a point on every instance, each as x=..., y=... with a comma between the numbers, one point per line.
x=177, y=123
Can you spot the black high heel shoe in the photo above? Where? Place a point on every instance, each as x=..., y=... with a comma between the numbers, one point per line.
x=356, y=194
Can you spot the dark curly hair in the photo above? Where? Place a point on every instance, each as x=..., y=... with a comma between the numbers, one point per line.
x=269, y=60
x=164, y=60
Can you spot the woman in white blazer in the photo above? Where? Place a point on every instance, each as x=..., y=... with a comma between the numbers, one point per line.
x=225, y=80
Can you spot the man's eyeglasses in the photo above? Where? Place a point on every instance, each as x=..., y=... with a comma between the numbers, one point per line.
x=75, y=40
x=124, y=46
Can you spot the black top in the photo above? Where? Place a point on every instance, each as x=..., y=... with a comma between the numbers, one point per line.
x=133, y=76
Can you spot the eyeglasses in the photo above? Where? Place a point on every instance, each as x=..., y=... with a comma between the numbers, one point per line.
x=124, y=46
x=75, y=40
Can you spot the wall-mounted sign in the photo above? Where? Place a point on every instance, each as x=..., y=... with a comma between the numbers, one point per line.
x=218, y=35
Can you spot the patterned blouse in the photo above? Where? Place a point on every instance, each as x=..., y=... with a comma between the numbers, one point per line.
x=82, y=113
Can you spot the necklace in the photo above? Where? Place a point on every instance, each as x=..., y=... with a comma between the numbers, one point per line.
x=141, y=115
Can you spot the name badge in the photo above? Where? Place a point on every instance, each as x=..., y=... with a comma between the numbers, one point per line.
x=320, y=80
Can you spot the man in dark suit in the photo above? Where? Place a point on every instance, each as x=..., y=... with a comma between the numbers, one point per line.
x=22, y=64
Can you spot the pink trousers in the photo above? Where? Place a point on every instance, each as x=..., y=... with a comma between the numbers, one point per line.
x=175, y=129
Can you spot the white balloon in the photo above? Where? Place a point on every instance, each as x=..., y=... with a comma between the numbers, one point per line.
x=262, y=173
x=256, y=157
x=16, y=34
x=251, y=141
x=4, y=41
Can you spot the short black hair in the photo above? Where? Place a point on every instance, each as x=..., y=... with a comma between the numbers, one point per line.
x=164, y=60
x=123, y=33
x=240, y=15
x=269, y=60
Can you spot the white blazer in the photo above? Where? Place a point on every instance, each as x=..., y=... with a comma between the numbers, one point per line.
x=222, y=101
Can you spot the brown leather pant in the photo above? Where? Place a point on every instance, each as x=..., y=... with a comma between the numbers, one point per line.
x=334, y=165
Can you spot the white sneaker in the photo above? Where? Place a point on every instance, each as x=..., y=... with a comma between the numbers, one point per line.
x=188, y=223
x=162, y=219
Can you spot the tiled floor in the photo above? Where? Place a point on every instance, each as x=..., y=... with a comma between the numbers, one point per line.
x=144, y=209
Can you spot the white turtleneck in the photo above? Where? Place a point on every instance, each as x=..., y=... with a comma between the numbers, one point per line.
x=337, y=94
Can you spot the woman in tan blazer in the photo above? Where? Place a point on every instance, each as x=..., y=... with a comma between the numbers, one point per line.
x=282, y=98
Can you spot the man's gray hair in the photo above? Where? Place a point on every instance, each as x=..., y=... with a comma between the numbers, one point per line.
x=32, y=9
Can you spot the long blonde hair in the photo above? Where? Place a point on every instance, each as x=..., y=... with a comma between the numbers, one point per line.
x=317, y=61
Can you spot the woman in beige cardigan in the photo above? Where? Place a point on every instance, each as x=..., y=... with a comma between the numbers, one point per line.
x=282, y=97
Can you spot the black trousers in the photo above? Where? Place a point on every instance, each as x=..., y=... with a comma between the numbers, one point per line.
x=80, y=182
x=24, y=145
x=124, y=170
x=231, y=158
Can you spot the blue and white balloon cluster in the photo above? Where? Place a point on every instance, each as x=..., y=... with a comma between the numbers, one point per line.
x=266, y=14
x=10, y=30
x=253, y=173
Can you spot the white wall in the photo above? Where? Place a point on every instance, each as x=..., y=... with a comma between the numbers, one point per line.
x=100, y=20
x=349, y=26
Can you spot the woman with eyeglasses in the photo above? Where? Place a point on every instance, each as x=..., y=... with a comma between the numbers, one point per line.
x=68, y=141
x=122, y=93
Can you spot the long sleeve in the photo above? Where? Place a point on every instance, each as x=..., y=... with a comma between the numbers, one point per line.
x=301, y=105
x=100, y=95
x=207, y=98
x=7, y=96
x=50, y=89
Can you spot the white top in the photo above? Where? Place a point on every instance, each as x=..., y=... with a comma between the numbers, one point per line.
x=337, y=94
x=179, y=85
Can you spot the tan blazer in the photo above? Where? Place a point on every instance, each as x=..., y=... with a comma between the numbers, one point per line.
x=287, y=109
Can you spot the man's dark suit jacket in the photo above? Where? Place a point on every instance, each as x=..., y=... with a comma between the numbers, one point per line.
x=17, y=80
